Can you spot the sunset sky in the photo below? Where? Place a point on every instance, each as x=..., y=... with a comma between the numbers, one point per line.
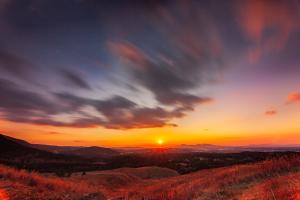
x=130, y=73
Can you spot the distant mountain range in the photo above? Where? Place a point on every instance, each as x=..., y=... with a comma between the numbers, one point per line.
x=85, y=152
x=92, y=152
x=22, y=154
x=12, y=147
x=230, y=149
x=21, y=146
x=210, y=148
x=47, y=158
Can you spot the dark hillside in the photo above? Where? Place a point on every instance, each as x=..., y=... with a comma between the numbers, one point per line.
x=22, y=155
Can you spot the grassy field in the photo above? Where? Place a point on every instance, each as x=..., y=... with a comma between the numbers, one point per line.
x=276, y=179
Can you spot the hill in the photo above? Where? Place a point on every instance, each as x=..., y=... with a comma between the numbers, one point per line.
x=13, y=148
x=93, y=152
x=149, y=172
x=20, y=184
x=43, y=147
x=19, y=141
x=119, y=178
x=21, y=154
x=85, y=152
x=278, y=178
x=54, y=148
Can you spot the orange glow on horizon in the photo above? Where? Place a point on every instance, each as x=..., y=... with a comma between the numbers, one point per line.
x=232, y=132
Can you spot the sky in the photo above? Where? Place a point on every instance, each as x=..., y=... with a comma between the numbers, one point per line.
x=135, y=72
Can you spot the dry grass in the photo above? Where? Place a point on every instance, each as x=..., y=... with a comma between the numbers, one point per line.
x=20, y=184
x=279, y=187
x=149, y=172
x=224, y=183
x=276, y=179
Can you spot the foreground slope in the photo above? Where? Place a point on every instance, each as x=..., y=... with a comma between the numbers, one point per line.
x=119, y=178
x=23, y=185
x=272, y=179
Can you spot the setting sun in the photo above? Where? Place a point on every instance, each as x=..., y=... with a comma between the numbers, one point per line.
x=160, y=141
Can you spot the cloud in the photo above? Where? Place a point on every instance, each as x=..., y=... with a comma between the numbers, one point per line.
x=184, y=54
x=54, y=133
x=14, y=65
x=140, y=118
x=173, y=72
x=127, y=52
x=121, y=113
x=267, y=24
x=186, y=58
x=15, y=99
x=271, y=112
x=19, y=105
x=74, y=79
x=116, y=112
x=90, y=122
x=293, y=97
x=169, y=83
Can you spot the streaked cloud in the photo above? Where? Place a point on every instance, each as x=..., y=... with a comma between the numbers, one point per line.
x=74, y=79
x=121, y=113
x=169, y=83
x=117, y=112
x=267, y=24
x=293, y=97
x=15, y=65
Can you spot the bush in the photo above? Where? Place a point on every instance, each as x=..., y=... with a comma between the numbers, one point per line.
x=63, y=173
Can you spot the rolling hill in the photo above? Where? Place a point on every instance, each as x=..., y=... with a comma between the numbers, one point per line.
x=85, y=152
x=118, y=178
x=54, y=148
x=271, y=179
x=278, y=178
x=92, y=152
x=22, y=154
x=14, y=148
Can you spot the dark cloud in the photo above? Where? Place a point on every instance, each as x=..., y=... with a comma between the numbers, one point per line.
x=14, y=65
x=117, y=112
x=116, y=102
x=140, y=118
x=71, y=101
x=14, y=98
x=121, y=113
x=75, y=79
x=19, y=105
x=271, y=112
x=90, y=122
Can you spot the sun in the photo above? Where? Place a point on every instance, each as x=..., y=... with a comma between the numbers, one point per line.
x=160, y=141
